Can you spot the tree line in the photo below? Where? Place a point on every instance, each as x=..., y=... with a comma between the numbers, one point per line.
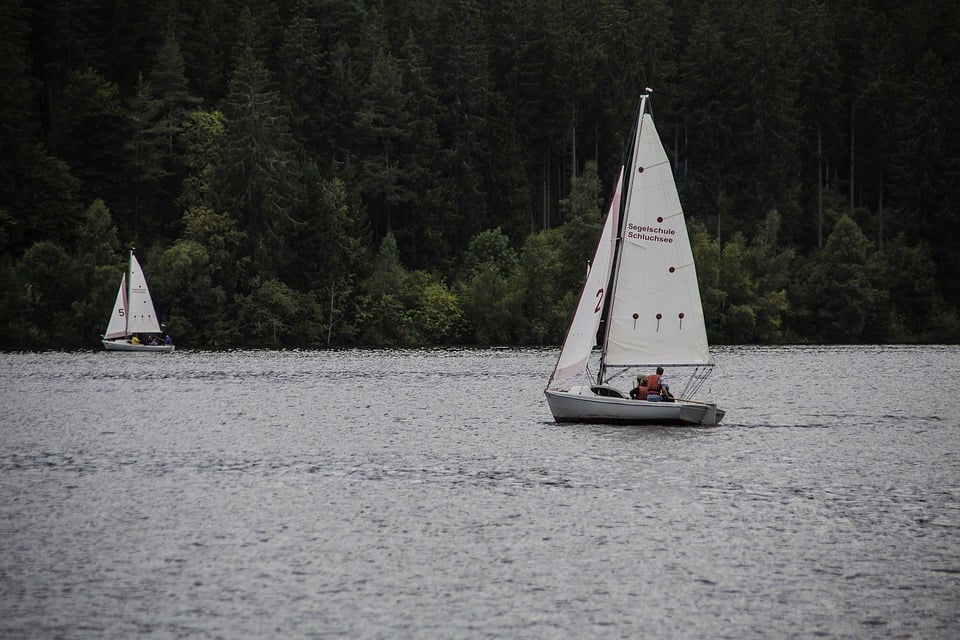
x=328, y=173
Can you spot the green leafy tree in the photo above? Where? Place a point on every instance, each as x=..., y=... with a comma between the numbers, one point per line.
x=174, y=104
x=433, y=310
x=99, y=263
x=146, y=152
x=90, y=135
x=490, y=306
x=484, y=288
x=436, y=221
x=909, y=277
x=259, y=177
x=490, y=248
x=44, y=204
x=342, y=73
x=221, y=239
x=203, y=49
x=583, y=217
x=19, y=131
x=841, y=290
x=739, y=320
x=381, y=316
x=18, y=330
x=706, y=255
x=332, y=124
x=196, y=277
x=820, y=115
x=203, y=136
x=328, y=254
x=546, y=306
x=17, y=86
x=464, y=93
x=50, y=284
x=301, y=75
x=771, y=266
x=197, y=311
x=169, y=85
x=274, y=314
x=383, y=137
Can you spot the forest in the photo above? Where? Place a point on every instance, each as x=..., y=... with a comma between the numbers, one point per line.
x=343, y=173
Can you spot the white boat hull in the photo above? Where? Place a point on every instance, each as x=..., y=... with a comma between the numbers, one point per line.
x=124, y=345
x=581, y=404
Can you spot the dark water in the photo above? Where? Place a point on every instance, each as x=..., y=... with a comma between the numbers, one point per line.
x=411, y=494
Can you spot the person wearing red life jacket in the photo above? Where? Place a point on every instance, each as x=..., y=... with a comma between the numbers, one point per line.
x=657, y=387
x=639, y=392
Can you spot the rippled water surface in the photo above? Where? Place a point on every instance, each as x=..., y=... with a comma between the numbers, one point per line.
x=429, y=494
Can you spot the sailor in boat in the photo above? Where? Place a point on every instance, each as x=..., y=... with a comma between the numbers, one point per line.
x=657, y=387
x=639, y=392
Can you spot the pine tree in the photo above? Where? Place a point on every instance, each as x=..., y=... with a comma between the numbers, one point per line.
x=259, y=178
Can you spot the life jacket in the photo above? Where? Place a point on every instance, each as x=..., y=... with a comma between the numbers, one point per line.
x=653, y=383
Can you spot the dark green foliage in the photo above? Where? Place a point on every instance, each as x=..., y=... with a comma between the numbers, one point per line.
x=46, y=294
x=90, y=135
x=490, y=305
x=259, y=179
x=339, y=172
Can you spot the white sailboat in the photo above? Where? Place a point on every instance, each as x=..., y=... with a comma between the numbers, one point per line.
x=134, y=315
x=642, y=286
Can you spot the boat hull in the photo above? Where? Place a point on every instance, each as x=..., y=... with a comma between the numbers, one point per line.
x=580, y=404
x=123, y=345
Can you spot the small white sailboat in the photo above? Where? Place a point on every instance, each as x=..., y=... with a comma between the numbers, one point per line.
x=642, y=287
x=133, y=325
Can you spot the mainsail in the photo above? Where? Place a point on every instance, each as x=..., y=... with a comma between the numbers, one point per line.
x=141, y=315
x=656, y=316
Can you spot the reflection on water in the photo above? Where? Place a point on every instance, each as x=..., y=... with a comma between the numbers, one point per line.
x=376, y=494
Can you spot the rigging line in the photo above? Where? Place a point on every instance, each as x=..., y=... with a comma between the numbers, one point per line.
x=647, y=167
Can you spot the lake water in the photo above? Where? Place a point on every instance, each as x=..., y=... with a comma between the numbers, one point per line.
x=429, y=494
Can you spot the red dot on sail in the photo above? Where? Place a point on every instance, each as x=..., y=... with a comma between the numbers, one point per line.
x=659, y=218
x=639, y=169
x=681, y=316
x=659, y=315
x=672, y=269
x=636, y=315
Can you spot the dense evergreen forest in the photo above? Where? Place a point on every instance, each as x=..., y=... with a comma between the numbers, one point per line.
x=313, y=173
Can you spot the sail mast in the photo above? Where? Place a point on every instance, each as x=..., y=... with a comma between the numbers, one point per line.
x=126, y=311
x=624, y=206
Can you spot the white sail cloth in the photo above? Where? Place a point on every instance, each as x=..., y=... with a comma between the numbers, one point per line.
x=117, y=324
x=582, y=334
x=133, y=310
x=656, y=316
x=141, y=315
